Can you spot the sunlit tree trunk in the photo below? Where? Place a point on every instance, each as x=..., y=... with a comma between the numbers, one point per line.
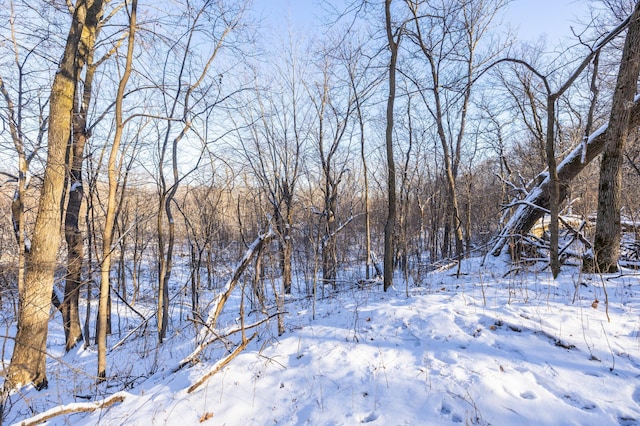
x=365, y=174
x=28, y=362
x=105, y=267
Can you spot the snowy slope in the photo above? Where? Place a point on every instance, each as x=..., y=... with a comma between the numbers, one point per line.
x=483, y=348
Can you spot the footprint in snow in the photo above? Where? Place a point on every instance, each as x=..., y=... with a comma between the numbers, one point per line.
x=627, y=421
x=572, y=400
x=636, y=395
x=371, y=417
x=528, y=395
x=446, y=411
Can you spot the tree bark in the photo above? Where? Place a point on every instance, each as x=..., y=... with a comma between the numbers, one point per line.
x=329, y=247
x=105, y=268
x=606, y=244
x=75, y=246
x=554, y=186
x=28, y=362
x=79, y=136
x=390, y=225
x=285, y=247
x=365, y=175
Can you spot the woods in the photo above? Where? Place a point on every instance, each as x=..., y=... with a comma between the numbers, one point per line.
x=205, y=173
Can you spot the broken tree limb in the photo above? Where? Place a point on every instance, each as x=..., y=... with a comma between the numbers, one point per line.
x=77, y=407
x=191, y=359
x=219, y=301
x=537, y=201
x=221, y=364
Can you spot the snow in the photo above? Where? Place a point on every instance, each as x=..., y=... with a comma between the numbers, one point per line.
x=76, y=186
x=578, y=151
x=489, y=347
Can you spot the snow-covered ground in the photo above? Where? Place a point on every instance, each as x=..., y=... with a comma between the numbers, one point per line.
x=488, y=347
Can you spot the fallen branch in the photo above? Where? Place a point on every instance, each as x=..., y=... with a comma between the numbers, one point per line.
x=221, y=364
x=193, y=356
x=77, y=407
x=144, y=323
x=220, y=300
x=537, y=201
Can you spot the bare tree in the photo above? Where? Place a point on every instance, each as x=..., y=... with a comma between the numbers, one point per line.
x=449, y=36
x=15, y=116
x=79, y=135
x=112, y=171
x=362, y=90
x=334, y=105
x=279, y=129
x=28, y=362
x=200, y=94
x=547, y=194
x=394, y=36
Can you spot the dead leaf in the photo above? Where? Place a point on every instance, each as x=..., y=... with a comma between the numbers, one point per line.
x=594, y=305
x=205, y=417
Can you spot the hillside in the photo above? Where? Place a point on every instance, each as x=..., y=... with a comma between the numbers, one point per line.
x=486, y=348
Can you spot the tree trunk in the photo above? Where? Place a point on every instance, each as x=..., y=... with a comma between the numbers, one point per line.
x=554, y=187
x=367, y=219
x=75, y=247
x=163, y=274
x=196, y=262
x=329, y=249
x=92, y=249
x=17, y=203
x=28, y=362
x=390, y=225
x=258, y=282
x=606, y=244
x=79, y=136
x=285, y=257
x=105, y=268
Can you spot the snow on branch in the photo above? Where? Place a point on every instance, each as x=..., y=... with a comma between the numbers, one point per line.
x=76, y=407
x=534, y=205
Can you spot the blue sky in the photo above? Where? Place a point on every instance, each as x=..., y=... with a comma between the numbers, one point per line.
x=554, y=18
x=532, y=18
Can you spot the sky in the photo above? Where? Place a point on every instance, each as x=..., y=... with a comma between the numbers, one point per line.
x=531, y=18
x=553, y=18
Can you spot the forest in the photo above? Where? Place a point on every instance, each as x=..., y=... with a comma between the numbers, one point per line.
x=180, y=180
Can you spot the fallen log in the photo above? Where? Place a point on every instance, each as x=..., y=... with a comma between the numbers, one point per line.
x=536, y=202
x=73, y=408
